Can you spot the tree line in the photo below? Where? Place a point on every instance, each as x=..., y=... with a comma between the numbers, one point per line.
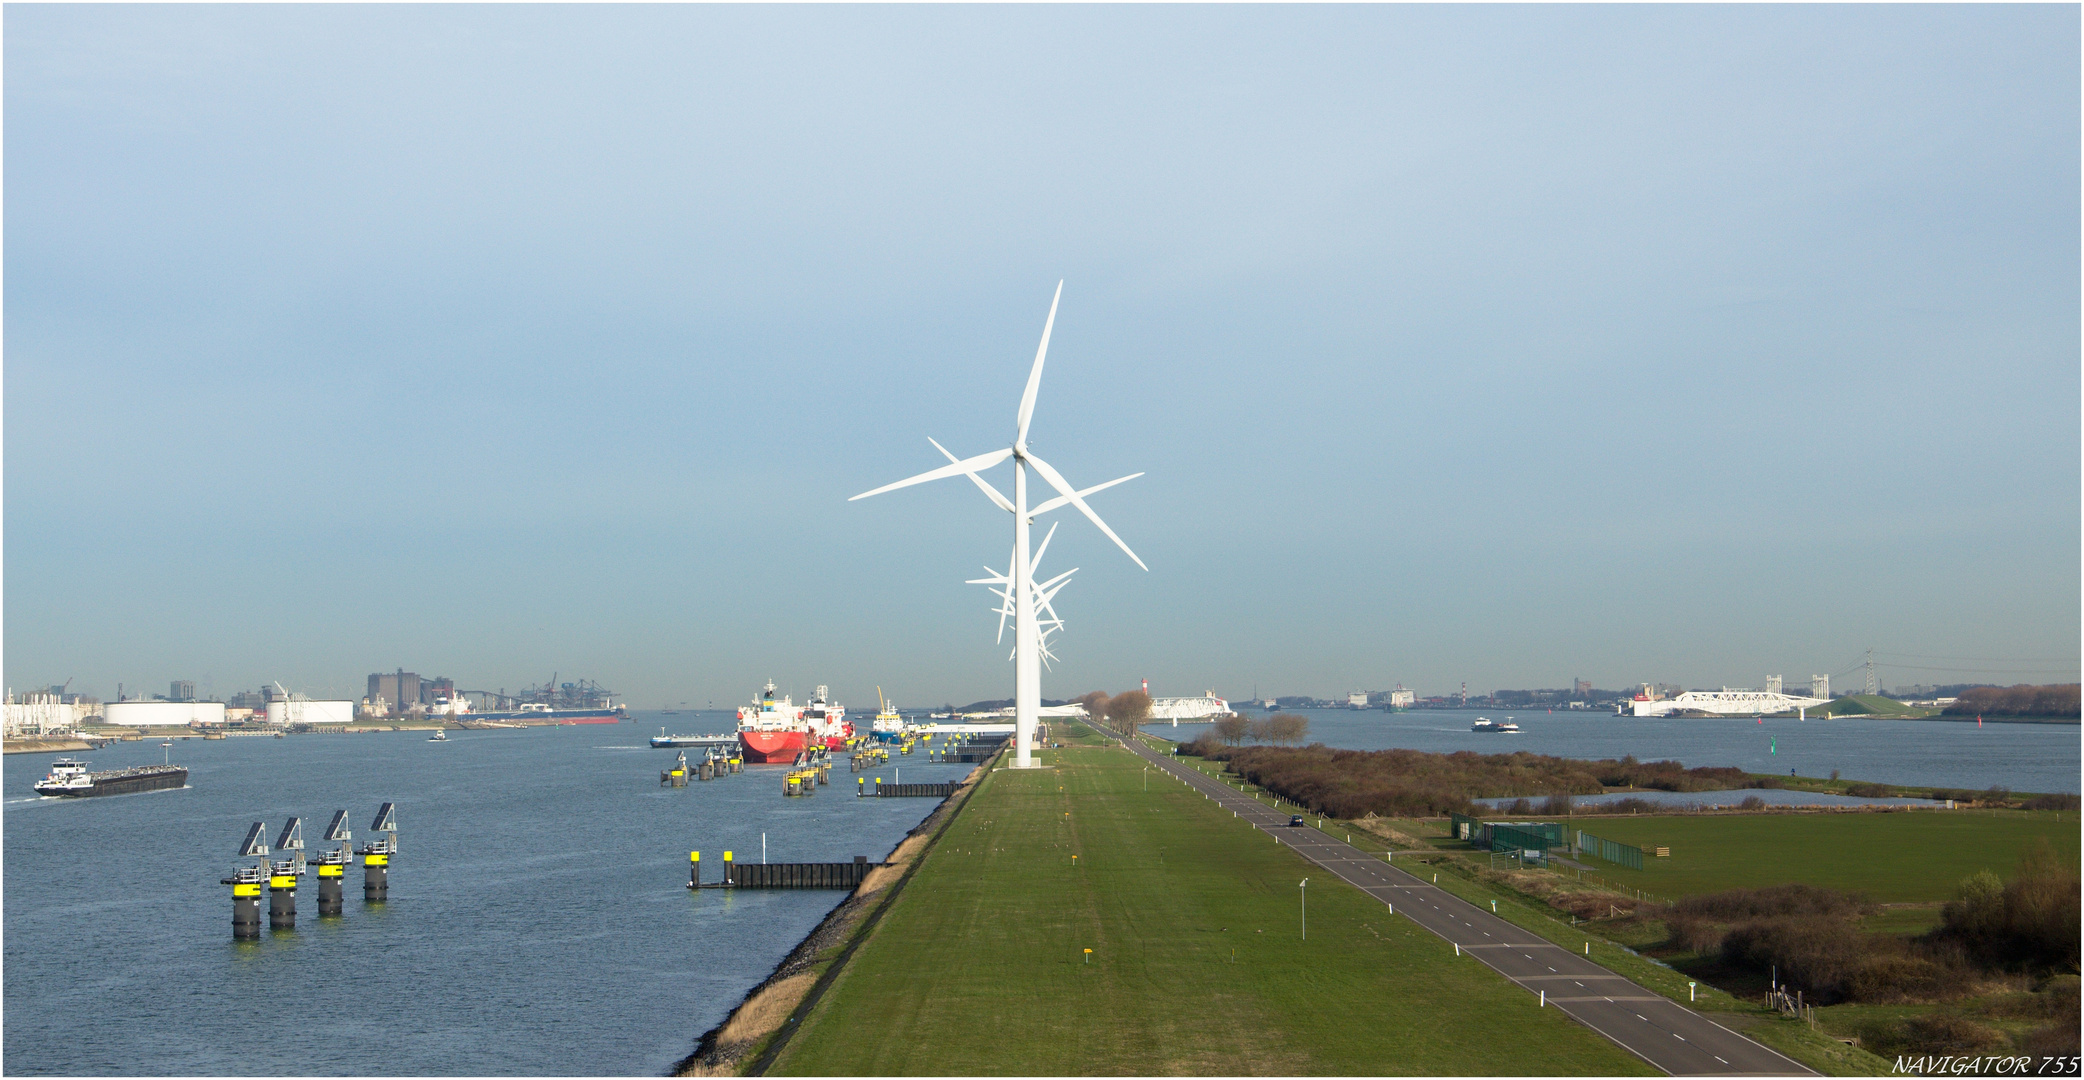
x=2059, y=700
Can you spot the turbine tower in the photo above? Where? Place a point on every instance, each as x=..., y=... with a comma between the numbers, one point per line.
x=1025, y=598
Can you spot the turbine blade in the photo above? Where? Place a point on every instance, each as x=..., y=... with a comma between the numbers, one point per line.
x=990, y=492
x=1027, y=397
x=966, y=465
x=1061, y=501
x=1056, y=480
x=1037, y=560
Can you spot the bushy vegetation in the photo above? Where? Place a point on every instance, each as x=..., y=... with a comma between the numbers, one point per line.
x=2053, y=701
x=1412, y=783
x=2030, y=922
x=1811, y=936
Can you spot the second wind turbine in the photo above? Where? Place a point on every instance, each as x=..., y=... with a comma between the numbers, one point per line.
x=1027, y=636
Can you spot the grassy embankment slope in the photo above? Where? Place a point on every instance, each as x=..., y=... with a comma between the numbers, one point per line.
x=1198, y=966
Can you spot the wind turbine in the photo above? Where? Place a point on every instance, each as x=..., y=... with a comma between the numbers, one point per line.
x=1027, y=632
x=1047, y=621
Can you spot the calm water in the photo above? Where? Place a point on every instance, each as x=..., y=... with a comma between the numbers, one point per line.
x=2022, y=757
x=537, y=922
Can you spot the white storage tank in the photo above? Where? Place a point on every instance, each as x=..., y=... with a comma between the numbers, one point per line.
x=162, y=713
x=283, y=713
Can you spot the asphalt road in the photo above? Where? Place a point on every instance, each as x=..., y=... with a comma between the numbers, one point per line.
x=1653, y=1027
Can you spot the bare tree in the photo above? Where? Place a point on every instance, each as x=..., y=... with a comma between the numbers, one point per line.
x=1232, y=729
x=1095, y=706
x=1129, y=711
x=1286, y=729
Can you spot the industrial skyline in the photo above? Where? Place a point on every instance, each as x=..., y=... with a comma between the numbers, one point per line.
x=1486, y=344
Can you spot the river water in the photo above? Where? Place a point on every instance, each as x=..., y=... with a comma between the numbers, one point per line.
x=2022, y=757
x=537, y=921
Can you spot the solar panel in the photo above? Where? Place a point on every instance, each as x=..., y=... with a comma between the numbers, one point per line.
x=292, y=838
x=338, y=829
x=386, y=819
x=256, y=842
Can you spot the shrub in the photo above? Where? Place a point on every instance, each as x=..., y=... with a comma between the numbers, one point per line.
x=1869, y=791
x=2055, y=1040
x=1773, y=900
x=1752, y=802
x=1817, y=953
x=2053, y=802
x=2030, y=922
x=1939, y=1033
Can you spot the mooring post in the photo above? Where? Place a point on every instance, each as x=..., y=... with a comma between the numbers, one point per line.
x=694, y=869
x=376, y=856
x=728, y=879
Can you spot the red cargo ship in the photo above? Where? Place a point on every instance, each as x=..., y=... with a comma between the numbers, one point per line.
x=774, y=732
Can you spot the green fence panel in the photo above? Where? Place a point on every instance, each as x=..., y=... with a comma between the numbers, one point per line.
x=1521, y=838
x=1627, y=855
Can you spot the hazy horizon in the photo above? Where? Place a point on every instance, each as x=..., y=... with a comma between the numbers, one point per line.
x=1506, y=345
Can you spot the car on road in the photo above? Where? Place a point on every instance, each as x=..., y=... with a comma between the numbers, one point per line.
x=1295, y=821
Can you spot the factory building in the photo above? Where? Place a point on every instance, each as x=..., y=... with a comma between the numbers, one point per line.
x=40, y=714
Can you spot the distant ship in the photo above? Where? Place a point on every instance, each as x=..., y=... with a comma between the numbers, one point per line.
x=889, y=725
x=69, y=778
x=537, y=713
x=1494, y=727
x=771, y=731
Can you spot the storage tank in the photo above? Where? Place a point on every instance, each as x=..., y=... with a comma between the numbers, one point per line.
x=282, y=713
x=162, y=713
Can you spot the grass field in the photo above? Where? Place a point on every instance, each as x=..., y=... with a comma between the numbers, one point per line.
x=1907, y=857
x=1198, y=964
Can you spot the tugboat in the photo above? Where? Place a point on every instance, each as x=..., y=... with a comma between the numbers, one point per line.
x=889, y=726
x=440, y=735
x=70, y=779
x=1495, y=728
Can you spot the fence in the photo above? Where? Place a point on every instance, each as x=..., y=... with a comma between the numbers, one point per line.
x=798, y=875
x=1627, y=855
x=1497, y=836
x=1515, y=838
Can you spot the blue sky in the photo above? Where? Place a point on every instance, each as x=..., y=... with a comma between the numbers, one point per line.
x=1497, y=344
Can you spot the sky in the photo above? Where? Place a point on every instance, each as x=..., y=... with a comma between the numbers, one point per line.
x=1498, y=345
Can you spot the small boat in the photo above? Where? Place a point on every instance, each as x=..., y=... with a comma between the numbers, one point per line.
x=1495, y=728
x=438, y=736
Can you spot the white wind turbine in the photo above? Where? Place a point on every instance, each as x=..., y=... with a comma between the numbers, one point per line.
x=1047, y=621
x=1027, y=632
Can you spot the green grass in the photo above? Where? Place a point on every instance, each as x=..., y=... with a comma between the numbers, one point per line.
x=1198, y=963
x=1904, y=857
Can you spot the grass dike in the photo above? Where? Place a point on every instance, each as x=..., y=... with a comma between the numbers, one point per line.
x=746, y=1039
x=1201, y=962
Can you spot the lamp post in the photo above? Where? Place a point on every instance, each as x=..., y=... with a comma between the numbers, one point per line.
x=1303, y=894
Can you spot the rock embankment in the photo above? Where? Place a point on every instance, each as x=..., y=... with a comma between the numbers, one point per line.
x=43, y=746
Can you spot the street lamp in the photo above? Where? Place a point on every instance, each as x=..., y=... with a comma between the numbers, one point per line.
x=1304, y=895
